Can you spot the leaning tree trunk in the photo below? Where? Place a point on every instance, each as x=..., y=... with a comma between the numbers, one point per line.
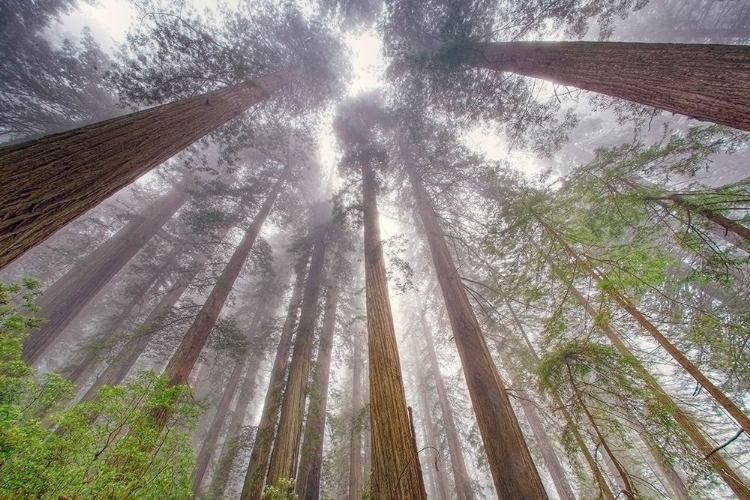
x=65, y=298
x=285, y=452
x=252, y=488
x=722, y=399
x=48, y=182
x=509, y=459
x=83, y=368
x=708, y=82
x=228, y=389
x=604, y=489
x=181, y=364
x=311, y=461
x=355, y=440
x=461, y=477
x=720, y=466
x=396, y=473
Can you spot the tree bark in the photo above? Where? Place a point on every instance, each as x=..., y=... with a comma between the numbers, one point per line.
x=728, y=225
x=48, y=182
x=439, y=488
x=311, y=461
x=181, y=364
x=395, y=463
x=229, y=389
x=65, y=298
x=707, y=82
x=718, y=395
x=509, y=459
x=286, y=445
x=461, y=477
x=355, y=440
x=257, y=467
x=720, y=466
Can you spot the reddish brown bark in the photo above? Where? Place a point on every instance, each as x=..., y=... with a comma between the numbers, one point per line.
x=229, y=388
x=461, y=477
x=727, y=224
x=181, y=364
x=311, y=459
x=66, y=297
x=286, y=444
x=395, y=463
x=708, y=82
x=258, y=465
x=48, y=182
x=509, y=459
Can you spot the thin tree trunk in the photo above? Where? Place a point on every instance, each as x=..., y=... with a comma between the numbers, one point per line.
x=228, y=392
x=65, y=298
x=509, y=459
x=355, y=440
x=728, y=225
x=601, y=481
x=461, y=477
x=311, y=461
x=181, y=364
x=395, y=463
x=672, y=350
x=708, y=82
x=430, y=439
x=48, y=182
x=367, y=438
x=257, y=467
x=286, y=444
x=84, y=367
x=720, y=466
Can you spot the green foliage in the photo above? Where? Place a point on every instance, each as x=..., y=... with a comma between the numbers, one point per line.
x=282, y=490
x=107, y=448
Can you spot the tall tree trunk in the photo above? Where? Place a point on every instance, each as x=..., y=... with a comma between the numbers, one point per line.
x=721, y=398
x=461, y=477
x=511, y=464
x=286, y=444
x=720, y=466
x=311, y=461
x=395, y=463
x=126, y=358
x=355, y=440
x=257, y=467
x=93, y=355
x=708, y=82
x=439, y=488
x=367, y=438
x=231, y=446
x=601, y=481
x=727, y=224
x=48, y=182
x=623, y=478
x=181, y=364
x=228, y=392
x=65, y=298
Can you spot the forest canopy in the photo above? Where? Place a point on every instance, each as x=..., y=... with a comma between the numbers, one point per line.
x=375, y=249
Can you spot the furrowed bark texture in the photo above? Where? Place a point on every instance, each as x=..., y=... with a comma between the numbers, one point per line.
x=509, y=459
x=601, y=482
x=708, y=82
x=311, y=460
x=48, y=182
x=461, y=477
x=718, y=395
x=252, y=488
x=93, y=356
x=355, y=440
x=720, y=466
x=66, y=297
x=208, y=446
x=181, y=364
x=285, y=452
x=395, y=464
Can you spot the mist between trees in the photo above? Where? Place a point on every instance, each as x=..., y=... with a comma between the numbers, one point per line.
x=375, y=250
